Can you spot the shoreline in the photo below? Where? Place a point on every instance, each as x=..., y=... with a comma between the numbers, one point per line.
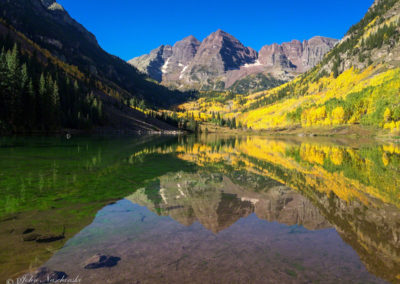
x=339, y=132
x=343, y=131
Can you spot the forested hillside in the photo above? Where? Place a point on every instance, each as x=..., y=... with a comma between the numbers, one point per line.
x=54, y=75
x=47, y=24
x=358, y=82
x=42, y=98
x=42, y=94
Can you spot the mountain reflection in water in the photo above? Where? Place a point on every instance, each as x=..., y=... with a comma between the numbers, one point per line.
x=240, y=210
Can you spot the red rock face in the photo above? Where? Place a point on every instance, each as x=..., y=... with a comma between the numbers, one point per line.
x=293, y=51
x=182, y=54
x=221, y=59
x=217, y=54
x=223, y=47
x=269, y=53
x=184, y=51
x=275, y=56
x=300, y=56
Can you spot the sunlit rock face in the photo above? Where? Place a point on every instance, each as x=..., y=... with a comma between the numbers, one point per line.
x=183, y=52
x=220, y=60
x=299, y=56
x=152, y=64
x=168, y=62
x=52, y=5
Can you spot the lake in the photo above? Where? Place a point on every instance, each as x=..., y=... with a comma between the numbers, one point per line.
x=200, y=209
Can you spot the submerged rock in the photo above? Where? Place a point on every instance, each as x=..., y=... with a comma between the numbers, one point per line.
x=101, y=261
x=28, y=231
x=30, y=237
x=49, y=238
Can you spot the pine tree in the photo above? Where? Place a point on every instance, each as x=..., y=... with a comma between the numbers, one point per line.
x=13, y=68
x=55, y=106
x=55, y=95
x=40, y=102
x=12, y=97
x=76, y=86
x=335, y=68
x=27, y=104
x=3, y=88
x=30, y=107
x=42, y=85
x=142, y=105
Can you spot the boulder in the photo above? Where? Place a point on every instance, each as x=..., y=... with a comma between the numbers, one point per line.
x=101, y=261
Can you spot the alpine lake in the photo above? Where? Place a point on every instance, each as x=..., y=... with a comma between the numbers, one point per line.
x=199, y=209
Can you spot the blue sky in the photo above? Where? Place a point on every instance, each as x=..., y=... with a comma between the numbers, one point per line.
x=129, y=28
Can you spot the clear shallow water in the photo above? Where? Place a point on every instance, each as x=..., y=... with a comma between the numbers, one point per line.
x=203, y=210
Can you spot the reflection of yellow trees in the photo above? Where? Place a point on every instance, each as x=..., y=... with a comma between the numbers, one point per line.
x=203, y=154
x=336, y=156
x=266, y=150
x=318, y=154
x=316, y=177
x=388, y=150
x=311, y=154
x=319, y=177
x=325, y=168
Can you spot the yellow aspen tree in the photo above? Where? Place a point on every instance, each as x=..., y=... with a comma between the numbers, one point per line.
x=387, y=115
x=338, y=115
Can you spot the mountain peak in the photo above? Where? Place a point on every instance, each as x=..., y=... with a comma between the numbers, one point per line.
x=221, y=34
x=191, y=39
x=222, y=52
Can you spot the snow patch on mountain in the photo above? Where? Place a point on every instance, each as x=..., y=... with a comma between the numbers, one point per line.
x=257, y=63
x=183, y=71
x=164, y=68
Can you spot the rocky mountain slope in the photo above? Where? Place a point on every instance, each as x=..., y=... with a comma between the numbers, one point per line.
x=220, y=60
